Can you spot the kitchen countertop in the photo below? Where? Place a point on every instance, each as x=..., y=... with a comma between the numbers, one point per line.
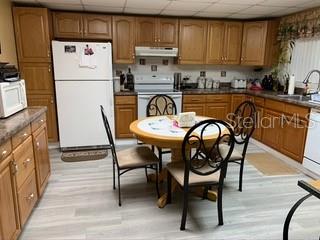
x=125, y=93
x=13, y=124
x=263, y=93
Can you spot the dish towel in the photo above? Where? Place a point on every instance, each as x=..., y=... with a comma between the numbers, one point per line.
x=88, y=57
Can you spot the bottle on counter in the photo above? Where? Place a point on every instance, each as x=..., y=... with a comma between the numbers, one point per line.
x=275, y=85
x=130, y=80
x=265, y=82
x=122, y=81
x=270, y=83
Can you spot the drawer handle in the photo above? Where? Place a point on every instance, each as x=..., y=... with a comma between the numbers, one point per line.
x=30, y=197
x=4, y=152
x=25, y=135
x=26, y=162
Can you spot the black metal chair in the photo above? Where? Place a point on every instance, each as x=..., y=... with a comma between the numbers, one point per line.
x=129, y=159
x=158, y=105
x=243, y=121
x=312, y=191
x=204, y=161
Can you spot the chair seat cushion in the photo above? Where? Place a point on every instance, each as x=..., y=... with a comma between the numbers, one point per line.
x=177, y=171
x=139, y=156
x=224, y=149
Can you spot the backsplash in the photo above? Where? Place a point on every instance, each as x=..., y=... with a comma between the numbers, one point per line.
x=238, y=72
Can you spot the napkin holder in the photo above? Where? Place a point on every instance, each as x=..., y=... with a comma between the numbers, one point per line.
x=186, y=119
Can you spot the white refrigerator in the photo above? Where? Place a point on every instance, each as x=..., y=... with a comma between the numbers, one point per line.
x=83, y=82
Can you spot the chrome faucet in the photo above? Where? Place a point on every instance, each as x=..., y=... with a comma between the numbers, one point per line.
x=306, y=80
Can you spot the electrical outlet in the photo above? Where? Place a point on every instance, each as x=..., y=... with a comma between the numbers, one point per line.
x=142, y=61
x=223, y=73
x=202, y=73
x=154, y=68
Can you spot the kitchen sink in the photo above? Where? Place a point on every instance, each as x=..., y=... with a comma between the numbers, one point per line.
x=295, y=97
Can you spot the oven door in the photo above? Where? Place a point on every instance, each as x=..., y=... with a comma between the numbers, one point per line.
x=143, y=100
x=13, y=98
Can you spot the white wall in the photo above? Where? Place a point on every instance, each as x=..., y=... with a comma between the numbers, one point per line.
x=214, y=72
x=305, y=57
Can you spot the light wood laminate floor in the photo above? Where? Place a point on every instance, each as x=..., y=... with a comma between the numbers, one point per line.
x=80, y=204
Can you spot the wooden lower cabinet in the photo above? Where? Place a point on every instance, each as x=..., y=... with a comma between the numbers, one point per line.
x=236, y=100
x=198, y=108
x=24, y=171
x=49, y=102
x=27, y=197
x=285, y=133
x=217, y=110
x=215, y=106
x=293, y=137
x=9, y=214
x=257, y=134
x=125, y=114
x=271, y=132
x=41, y=155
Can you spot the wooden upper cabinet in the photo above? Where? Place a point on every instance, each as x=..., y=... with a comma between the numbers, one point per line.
x=232, y=42
x=97, y=26
x=224, y=42
x=161, y=32
x=67, y=25
x=123, y=39
x=215, y=42
x=192, y=41
x=167, y=32
x=145, y=31
x=38, y=77
x=32, y=34
x=254, y=43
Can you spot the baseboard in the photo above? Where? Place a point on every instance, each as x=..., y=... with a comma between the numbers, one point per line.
x=286, y=159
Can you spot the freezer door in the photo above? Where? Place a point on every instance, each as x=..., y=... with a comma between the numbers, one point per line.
x=70, y=62
x=79, y=116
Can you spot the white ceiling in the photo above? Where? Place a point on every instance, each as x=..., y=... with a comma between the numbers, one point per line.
x=239, y=9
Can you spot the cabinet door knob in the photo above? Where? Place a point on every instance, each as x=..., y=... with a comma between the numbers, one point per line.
x=38, y=145
x=49, y=68
x=48, y=53
x=31, y=196
x=26, y=162
x=4, y=152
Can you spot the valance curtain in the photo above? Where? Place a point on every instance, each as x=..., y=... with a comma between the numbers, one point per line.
x=301, y=25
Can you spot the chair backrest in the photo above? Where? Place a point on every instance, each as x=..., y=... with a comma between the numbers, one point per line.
x=161, y=104
x=207, y=147
x=109, y=134
x=243, y=121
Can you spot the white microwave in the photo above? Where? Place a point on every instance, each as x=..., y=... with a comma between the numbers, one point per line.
x=12, y=98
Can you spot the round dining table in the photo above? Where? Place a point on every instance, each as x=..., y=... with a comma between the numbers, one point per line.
x=160, y=131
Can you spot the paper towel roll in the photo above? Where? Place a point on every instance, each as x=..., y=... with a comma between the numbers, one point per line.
x=291, y=85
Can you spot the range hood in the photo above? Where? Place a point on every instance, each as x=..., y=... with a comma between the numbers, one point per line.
x=156, y=51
